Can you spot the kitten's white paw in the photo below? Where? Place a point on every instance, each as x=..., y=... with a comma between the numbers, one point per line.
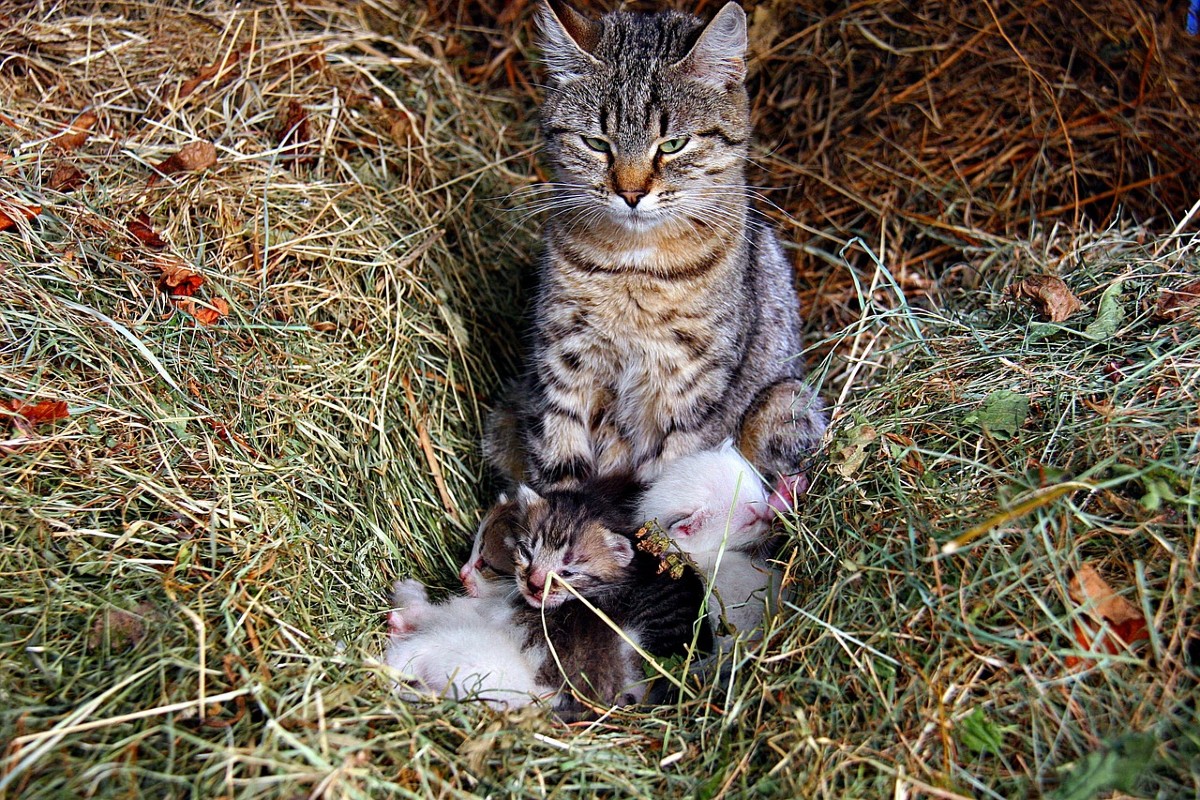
x=398, y=625
x=410, y=603
x=409, y=594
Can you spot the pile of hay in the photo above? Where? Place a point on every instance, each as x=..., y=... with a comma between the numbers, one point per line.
x=241, y=389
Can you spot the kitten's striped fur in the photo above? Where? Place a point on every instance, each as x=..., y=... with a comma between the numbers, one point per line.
x=666, y=319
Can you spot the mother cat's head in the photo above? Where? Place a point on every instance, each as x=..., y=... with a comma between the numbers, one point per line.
x=646, y=118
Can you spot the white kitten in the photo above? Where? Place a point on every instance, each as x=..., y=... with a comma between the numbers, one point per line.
x=465, y=647
x=489, y=569
x=716, y=509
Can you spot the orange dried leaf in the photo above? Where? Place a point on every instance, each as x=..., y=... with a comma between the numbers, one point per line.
x=1175, y=303
x=66, y=178
x=211, y=313
x=77, y=133
x=34, y=413
x=221, y=70
x=176, y=278
x=1126, y=624
x=192, y=157
x=139, y=226
x=7, y=220
x=1048, y=295
x=404, y=129
x=293, y=134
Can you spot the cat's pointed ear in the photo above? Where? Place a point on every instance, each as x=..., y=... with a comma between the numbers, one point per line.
x=620, y=547
x=568, y=39
x=718, y=58
x=526, y=496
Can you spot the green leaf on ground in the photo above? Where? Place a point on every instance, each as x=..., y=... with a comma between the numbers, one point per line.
x=979, y=734
x=851, y=450
x=1109, y=317
x=1117, y=767
x=1003, y=412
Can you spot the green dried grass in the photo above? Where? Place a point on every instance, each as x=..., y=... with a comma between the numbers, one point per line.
x=151, y=563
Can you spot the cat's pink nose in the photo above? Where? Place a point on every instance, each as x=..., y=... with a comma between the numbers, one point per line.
x=536, y=582
x=632, y=196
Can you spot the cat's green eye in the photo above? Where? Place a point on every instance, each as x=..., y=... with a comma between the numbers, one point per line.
x=672, y=145
x=599, y=145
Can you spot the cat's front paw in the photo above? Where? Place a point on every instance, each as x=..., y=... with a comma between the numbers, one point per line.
x=409, y=593
x=399, y=625
x=410, y=602
x=788, y=489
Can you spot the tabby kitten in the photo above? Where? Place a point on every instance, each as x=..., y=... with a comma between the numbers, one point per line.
x=666, y=318
x=583, y=537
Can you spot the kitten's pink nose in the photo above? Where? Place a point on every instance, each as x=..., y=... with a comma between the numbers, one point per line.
x=632, y=196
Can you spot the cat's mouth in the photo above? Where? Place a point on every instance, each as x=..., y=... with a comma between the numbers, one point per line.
x=543, y=600
x=637, y=220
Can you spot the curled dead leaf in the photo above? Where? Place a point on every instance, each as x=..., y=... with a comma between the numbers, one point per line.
x=66, y=178
x=218, y=72
x=139, y=226
x=1175, y=303
x=209, y=313
x=10, y=215
x=24, y=415
x=1048, y=294
x=293, y=134
x=176, y=278
x=1105, y=608
x=192, y=157
x=75, y=135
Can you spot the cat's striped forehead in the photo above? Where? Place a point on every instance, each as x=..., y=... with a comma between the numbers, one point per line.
x=628, y=85
x=634, y=46
x=561, y=520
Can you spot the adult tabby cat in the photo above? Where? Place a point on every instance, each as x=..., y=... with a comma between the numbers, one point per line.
x=666, y=318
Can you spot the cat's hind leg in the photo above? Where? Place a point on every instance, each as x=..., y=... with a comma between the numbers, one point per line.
x=503, y=437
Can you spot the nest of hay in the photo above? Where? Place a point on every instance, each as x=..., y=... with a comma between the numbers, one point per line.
x=261, y=273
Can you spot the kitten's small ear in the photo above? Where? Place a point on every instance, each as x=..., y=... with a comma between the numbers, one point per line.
x=683, y=526
x=718, y=58
x=568, y=39
x=620, y=547
x=526, y=496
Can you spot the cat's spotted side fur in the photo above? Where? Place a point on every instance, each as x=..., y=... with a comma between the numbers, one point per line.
x=666, y=319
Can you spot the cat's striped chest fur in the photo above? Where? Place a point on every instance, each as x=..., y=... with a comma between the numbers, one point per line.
x=635, y=351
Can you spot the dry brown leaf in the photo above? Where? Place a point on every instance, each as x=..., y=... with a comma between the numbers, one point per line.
x=1175, y=303
x=221, y=71
x=75, y=135
x=176, y=278
x=34, y=413
x=293, y=134
x=208, y=314
x=7, y=220
x=1106, y=608
x=139, y=226
x=1048, y=295
x=125, y=628
x=192, y=157
x=404, y=129
x=66, y=178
